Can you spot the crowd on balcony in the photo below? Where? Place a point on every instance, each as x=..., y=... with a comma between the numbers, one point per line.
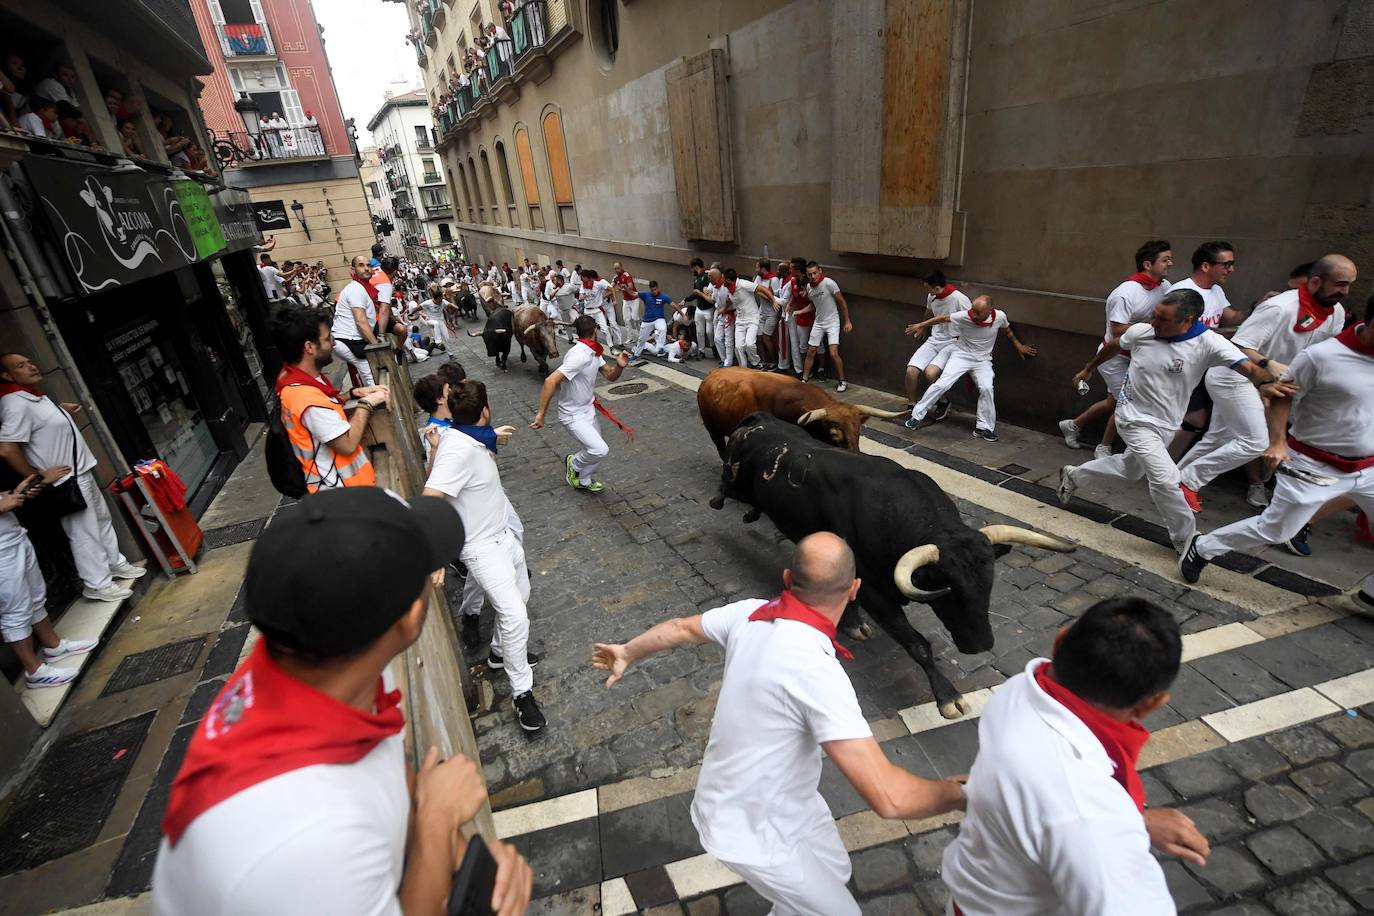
x=475, y=71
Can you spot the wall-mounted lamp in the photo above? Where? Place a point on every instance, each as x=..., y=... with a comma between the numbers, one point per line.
x=299, y=209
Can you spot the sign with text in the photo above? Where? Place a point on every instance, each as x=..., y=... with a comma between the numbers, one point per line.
x=234, y=209
x=200, y=217
x=271, y=214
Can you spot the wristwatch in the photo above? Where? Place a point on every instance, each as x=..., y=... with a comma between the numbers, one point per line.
x=1264, y=363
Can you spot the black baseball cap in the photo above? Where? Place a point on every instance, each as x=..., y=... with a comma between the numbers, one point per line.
x=332, y=574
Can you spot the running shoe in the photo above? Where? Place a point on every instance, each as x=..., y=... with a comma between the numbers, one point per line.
x=1191, y=498
x=1102, y=451
x=48, y=676
x=68, y=647
x=1192, y=563
x=128, y=571
x=527, y=712
x=111, y=592
x=572, y=474
x=594, y=486
x=1256, y=497
x=1298, y=544
x=941, y=411
x=985, y=434
x=913, y=423
x=497, y=663
x=842, y=386
x=1069, y=430
x=1066, y=485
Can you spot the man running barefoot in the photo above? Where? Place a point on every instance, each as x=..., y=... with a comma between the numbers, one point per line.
x=576, y=406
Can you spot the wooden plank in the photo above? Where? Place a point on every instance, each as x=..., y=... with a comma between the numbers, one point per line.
x=915, y=86
x=557, y=151
x=724, y=147
x=683, y=149
x=526, y=157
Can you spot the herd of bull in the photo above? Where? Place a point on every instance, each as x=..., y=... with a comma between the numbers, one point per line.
x=791, y=451
x=523, y=326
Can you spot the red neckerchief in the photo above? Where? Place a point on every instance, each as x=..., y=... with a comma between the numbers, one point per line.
x=370, y=290
x=595, y=347
x=768, y=275
x=1144, y=279
x=586, y=283
x=1350, y=337
x=294, y=375
x=788, y=606
x=265, y=723
x=1311, y=313
x=946, y=291
x=1121, y=740
x=820, y=278
x=992, y=316
x=12, y=387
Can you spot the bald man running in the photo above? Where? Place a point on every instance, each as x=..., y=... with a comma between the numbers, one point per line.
x=784, y=698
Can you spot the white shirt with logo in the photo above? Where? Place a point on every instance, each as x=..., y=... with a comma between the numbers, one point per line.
x=1269, y=329
x=823, y=298
x=974, y=339
x=1214, y=300
x=580, y=368
x=594, y=296
x=1132, y=303
x=1164, y=373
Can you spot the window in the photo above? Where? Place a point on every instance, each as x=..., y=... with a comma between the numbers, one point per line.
x=477, y=190
x=430, y=175
x=376, y=191
x=445, y=233
x=504, y=168
x=603, y=29
x=422, y=141
x=526, y=159
x=467, y=195
x=268, y=86
x=559, y=173
x=491, y=189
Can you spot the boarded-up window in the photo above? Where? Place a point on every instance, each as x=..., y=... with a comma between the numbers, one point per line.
x=467, y=195
x=503, y=165
x=491, y=189
x=526, y=159
x=559, y=172
x=699, y=128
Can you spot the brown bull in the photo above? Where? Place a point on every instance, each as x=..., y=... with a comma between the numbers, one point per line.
x=535, y=330
x=727, y=396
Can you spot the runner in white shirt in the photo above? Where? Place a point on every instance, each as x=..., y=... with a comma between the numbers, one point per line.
x=1132, y=302
x=1331, y=436
x=577, y=405
x=271, y=278
x=784, y=700
x=832, y=316
x=971, y=352
x=464, y=471
x=744, y=300
x=769, y=315
x=595, y=304
x=1275, y=333
x=355, y=320
x=929, y=359
x=1168, y=359
x=1213, y=263
x=563, y=293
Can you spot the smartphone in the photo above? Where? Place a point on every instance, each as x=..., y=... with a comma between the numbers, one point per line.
x=25, y=484
x=474, y=881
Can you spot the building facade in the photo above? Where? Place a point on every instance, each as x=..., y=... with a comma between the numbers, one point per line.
x=293, y=151
x=403, y=133
x=379, y=201
x=1024, y=148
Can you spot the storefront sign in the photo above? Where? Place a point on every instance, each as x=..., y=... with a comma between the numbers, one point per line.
x=200, y=217
x=111, y=227
x=234, y=210
x=271, y=214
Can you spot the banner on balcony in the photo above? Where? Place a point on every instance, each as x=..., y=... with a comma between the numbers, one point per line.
x=271, y=214
x=110, y=227
x=245, y=38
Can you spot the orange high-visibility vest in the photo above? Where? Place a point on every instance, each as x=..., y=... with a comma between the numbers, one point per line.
x=352, y=470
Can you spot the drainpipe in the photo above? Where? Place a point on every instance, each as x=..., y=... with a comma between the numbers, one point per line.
x=963, y=110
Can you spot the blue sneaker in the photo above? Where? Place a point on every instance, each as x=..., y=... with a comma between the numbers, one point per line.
x=1298, y=545
x=912, y=423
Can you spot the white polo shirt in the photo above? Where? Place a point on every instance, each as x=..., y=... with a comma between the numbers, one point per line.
x=976, y=340
x=465, y=471
x=1269, y=329
x=1131, y=303
x=352, y=296
x=1164, y=373
x=1333, y=409
x=594, y=297
x=954, y=302
x=1214, y=300
x=823, y=298
x=580, y=368
x=44, y=431
x=321, y=839
x=1048, y=828
x=745, y=305
x=782, y=695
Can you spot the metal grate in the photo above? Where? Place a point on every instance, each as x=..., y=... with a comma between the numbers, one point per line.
x=154, y=665
x=64, y=804
x=233, y=534
x=1014, y=470
x=630, y=388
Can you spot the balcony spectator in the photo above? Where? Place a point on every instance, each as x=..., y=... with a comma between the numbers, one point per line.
x=114, y=100
x=174, y=143
x=74, y=126
x=196, y=160
x=61, y=86
x=314, y=140
x=41, y=119
x=503, y=45
x=14, y=85
x=128, y=138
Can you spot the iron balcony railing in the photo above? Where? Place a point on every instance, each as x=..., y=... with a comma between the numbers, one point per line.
x=498, y=63
x=529, y=27
x=238, y=147
x=245, y=39
x=430, y=178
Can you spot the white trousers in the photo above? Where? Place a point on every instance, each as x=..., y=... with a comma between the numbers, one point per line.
x=928, y=352
x=587, y=432
x=357, y=360
x=550, y=308
x=603, y=330
x=631, y=312
x=811, y=882
x=1293, y=504
x=658, y=327
x=747, y=341
x=498, y=565
x=958, y=365
x=94, y=546
x=725, y=341
x=617, y=332
x=1236, y=434
x=796, y=344
x=705, y=328
x=22, y=591
x=1147, y=455
x=473, y=595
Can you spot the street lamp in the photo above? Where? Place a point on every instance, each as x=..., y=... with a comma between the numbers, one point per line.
x=250, y=113
x=298, y=208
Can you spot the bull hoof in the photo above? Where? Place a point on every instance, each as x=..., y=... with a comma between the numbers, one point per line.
x=863, y=631
x=751, y=516
x=717, y=503
x=954, y=710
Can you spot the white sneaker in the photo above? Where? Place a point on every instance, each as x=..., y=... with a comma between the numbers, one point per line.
x=68, y=647
x=1256, y=496
x=1102, y=451
x=111, y=592
x=1066, y=485
x=49, y=676
x=128, y=571
x=1070, y=433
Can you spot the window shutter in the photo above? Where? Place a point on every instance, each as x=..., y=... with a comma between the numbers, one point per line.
x=699, y=127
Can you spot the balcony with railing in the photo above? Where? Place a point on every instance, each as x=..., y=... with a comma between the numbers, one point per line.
x=430, y=178
x=428, y=32
x=238, y=148
x=245, y=39
x=528, y=28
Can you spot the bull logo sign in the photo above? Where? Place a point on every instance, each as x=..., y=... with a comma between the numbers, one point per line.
x=125, y=225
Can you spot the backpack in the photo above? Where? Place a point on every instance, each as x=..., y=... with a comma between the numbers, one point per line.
x=282, y=467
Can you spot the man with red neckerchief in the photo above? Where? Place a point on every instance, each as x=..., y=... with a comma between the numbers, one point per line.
x=1325, y=429
x=785, y=698
x=294, y=796
x=1056, y=819
x=930, y=357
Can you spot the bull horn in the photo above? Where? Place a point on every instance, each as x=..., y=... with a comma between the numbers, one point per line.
x=1010, y=534
x=911, y=561
x=474, y=333
x=499, y=331
x=563, y=324
x=811, y=416
x=880, y=414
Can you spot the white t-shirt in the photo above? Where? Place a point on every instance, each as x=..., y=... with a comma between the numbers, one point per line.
x=271, y=281
x=595, y=295
x=385, y=292
x=465, y=471
x=44, y=432
x=783, y=694
x=321, y=839
x=782, y=291
x=1164, y=373
x=1214, y=300
x=1048, y=828
x=954, y=302
x=1269, y=329
x=823, y=297
x=580, y=367
x=53, y=90
x=1131, y=303
x=977, y=340
x=745, y=305
x=1334, y=410
x=353, y=296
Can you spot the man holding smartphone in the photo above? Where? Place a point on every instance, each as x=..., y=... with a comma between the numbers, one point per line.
x=294, y=796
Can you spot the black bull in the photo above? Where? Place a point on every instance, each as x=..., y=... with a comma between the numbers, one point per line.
x=497, y=335
x=909, y=541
